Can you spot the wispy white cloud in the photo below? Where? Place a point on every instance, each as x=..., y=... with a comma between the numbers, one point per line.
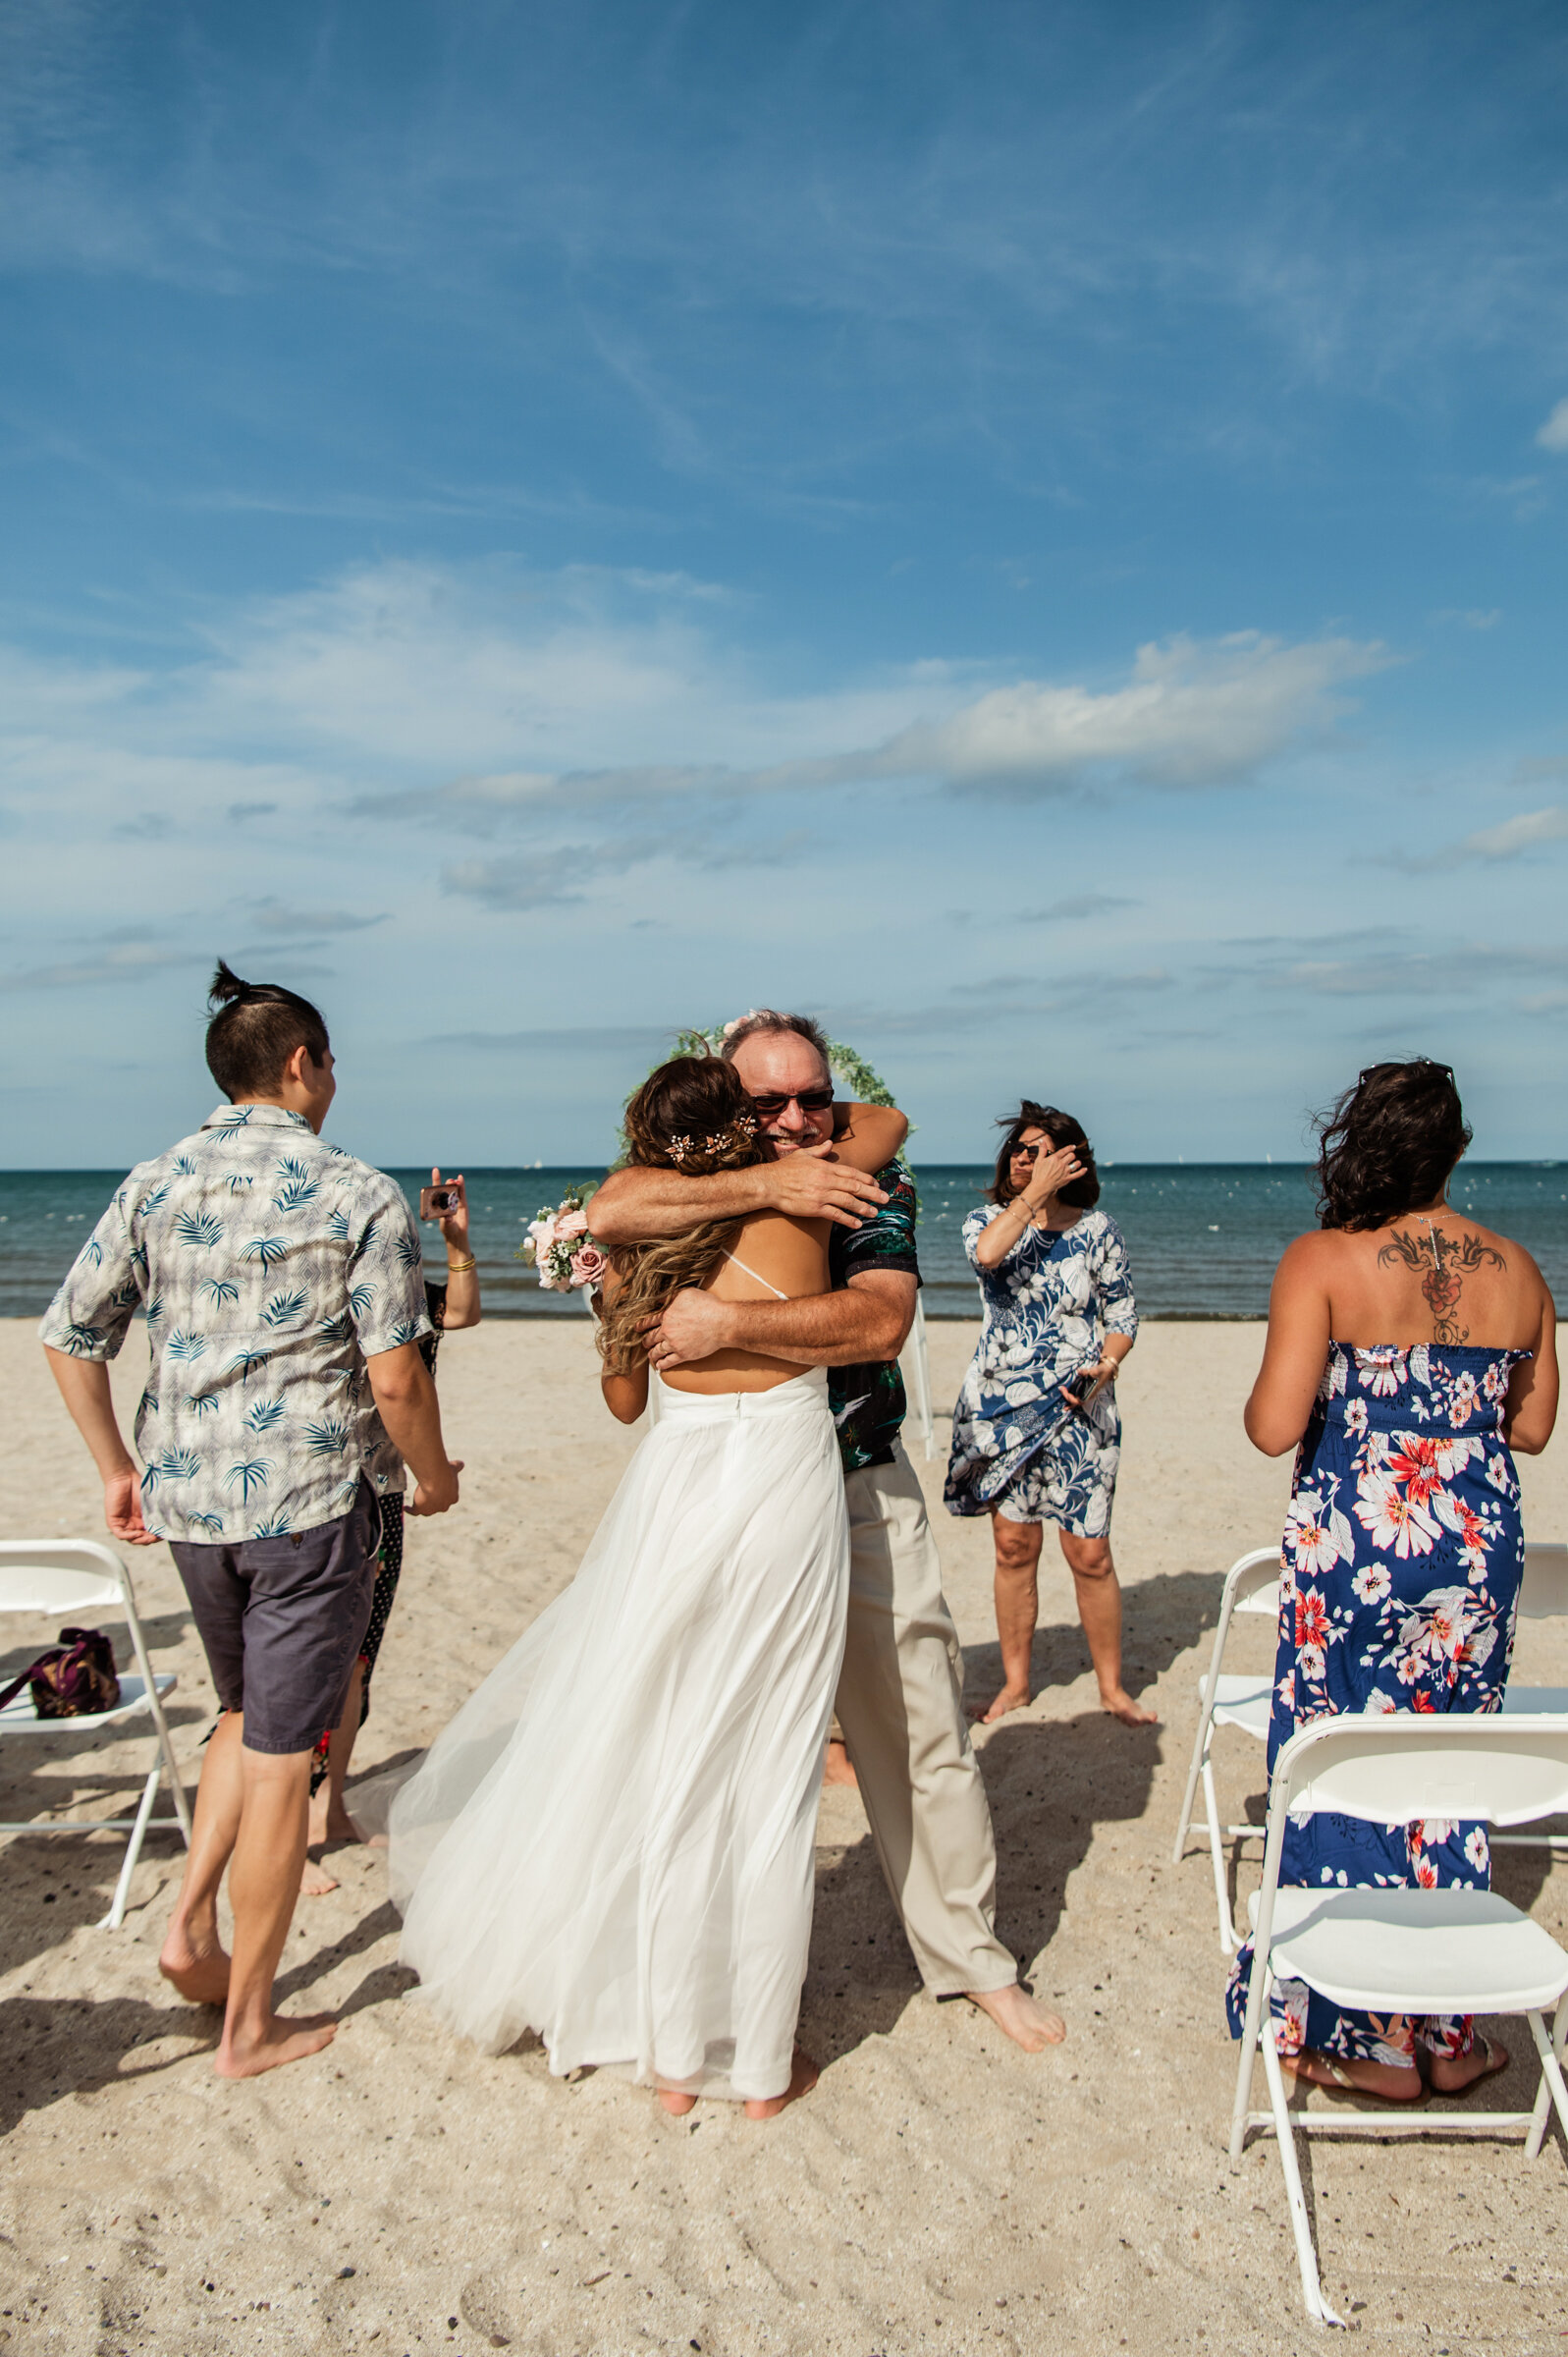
x=1554, y=434
x=1464, y=970
x=118, y=960
x=276, y=918
x=1190, y=714
x=641, y=1040
x=488, y=697
x=1527, y=831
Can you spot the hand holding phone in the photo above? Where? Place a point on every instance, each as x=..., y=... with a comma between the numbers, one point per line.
x=1087, y=1383
x=445, y=1201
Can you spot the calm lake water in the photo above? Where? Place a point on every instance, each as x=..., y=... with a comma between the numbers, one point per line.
x=1203, y=1237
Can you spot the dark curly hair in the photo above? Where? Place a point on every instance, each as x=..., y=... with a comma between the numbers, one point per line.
x=692, y=1115
x=1062, y=1130
x=1389, y=1143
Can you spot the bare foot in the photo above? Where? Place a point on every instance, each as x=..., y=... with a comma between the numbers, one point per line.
x=802, y=2079
x=1011, y=1698
x=1120, y=1703
x=283, y=2041
x=1451, y=2075
x=331, y=1823
x=838, y=1770
x=676, y=2104
x=1020, y=2016
x=1391, y=2082
x=200, y=1970
x=314, y=1879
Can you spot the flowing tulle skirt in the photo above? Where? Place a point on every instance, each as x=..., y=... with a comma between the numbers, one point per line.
x=613, y=1843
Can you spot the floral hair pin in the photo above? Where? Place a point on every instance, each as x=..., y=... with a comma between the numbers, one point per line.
x=740, y=1132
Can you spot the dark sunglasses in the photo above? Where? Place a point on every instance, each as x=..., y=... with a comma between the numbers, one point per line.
x=809, y=1100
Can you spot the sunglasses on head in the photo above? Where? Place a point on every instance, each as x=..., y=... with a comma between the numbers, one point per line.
x=809, y=1100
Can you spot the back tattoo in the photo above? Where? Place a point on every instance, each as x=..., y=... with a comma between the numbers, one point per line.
x=1447, y=1260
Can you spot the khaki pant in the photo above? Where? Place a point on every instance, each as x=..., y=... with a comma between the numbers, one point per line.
x=899, y=1704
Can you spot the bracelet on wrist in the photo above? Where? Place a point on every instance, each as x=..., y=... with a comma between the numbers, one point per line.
x=459, y=1268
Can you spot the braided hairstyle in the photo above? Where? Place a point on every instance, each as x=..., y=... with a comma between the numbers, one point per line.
x=694, y=1116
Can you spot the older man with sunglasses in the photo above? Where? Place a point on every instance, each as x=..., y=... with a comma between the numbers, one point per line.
x=899, y=1700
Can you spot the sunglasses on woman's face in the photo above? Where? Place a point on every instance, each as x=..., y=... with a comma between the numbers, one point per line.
x=809, y=1100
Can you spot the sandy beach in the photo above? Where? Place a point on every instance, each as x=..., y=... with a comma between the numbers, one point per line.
x=940, y=2191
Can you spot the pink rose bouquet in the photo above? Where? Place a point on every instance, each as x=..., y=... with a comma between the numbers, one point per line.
x=561, y=1249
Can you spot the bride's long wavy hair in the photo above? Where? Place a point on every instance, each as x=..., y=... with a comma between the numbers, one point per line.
x=694, y=1116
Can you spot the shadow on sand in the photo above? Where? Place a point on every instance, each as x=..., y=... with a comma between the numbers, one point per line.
x=1052, y=1784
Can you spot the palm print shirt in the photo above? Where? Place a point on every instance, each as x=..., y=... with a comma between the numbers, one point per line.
x=271, y=1266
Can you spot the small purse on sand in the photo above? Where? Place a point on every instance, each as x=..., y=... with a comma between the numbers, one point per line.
x=75, y=1681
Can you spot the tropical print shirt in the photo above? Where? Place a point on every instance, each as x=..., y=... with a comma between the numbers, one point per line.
x=271, y=1266
x=868, y=1401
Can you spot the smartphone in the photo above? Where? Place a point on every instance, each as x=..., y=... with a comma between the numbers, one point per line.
x=436, y=1201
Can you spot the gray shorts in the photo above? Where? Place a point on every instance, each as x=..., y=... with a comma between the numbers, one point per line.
x=283, y=1620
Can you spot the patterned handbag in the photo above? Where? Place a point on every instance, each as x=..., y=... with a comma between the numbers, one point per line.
x=75, y=1681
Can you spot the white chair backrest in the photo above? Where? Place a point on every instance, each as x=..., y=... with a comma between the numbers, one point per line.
x=1254, y=1582
x=1390, y=1770
x=1544, y=1589
x=60, y=1575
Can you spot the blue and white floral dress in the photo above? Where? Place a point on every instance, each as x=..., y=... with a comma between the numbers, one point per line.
x=1399, y=1580
x=1017, y=1446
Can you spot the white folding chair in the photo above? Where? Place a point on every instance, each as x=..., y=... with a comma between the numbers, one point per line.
x=1231, y=1698
x=1542, y=1595
x=75, y=1576
x=1453, y=1951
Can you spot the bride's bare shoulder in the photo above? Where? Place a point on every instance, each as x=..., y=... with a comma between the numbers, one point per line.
x=786, y=1254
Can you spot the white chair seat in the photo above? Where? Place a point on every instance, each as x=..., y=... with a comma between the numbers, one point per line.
x=75, y=1580
x=1416, y=1951
x=1241, y=1699
x=18, y=1717
x=1533, y=1700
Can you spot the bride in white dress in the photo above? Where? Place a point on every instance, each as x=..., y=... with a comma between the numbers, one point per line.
x=613, y=1843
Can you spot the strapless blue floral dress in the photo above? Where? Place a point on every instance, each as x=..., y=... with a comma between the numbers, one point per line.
x=1400, y=1573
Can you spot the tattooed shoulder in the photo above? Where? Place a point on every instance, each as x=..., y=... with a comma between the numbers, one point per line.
x=1445, y=1262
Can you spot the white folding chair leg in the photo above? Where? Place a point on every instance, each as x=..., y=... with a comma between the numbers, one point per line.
x=1229, y=1936
x=1200, y=1756
x=182, y=1806
x=1553, y=2088
x=150, y=1793
x=1318, y=2307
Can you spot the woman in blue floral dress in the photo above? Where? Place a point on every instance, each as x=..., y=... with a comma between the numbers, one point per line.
x=1035, y=1437
x=1404, y=1543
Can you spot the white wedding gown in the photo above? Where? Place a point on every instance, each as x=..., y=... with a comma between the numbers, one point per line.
x=613, y=1843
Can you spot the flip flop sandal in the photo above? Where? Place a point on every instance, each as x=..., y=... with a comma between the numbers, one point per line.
x=1497, y=2059
x=1343, y=2084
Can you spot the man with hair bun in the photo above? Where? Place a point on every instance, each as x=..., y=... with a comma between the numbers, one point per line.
x=285, y=1305
x=899, y=1700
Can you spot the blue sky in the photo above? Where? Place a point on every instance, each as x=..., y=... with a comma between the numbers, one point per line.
x=1034, y=532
